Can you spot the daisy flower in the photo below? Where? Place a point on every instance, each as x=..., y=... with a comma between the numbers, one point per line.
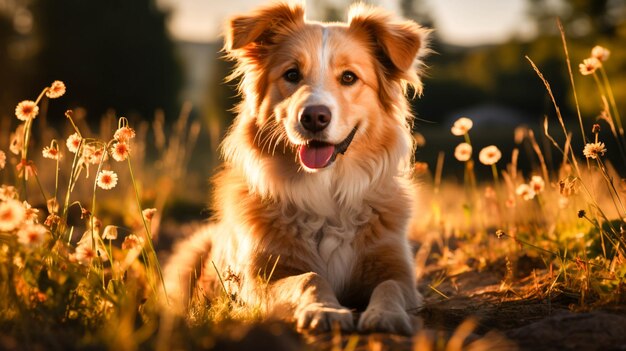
x=594, y=150
x=3, y=159
x=462, y=126
x=124, y=134
x=489, y=155
x=110, y=232
x=149, y=213
x=51, y=153
x=12, y=214
x=589, y=66
x=107, y=179
x=601, y=53
x=7, y=192
x=120, y=151
x=56, y=89
x=92, y=155
x=132, y=241
x=463, y=152
x=525, y=191
x=85, y=254
x=32, y=235
x=73, y=142
x=26, y=110
x=537, y=184
x=30, y=214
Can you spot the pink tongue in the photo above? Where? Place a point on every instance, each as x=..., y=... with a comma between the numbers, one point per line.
x=316, y=157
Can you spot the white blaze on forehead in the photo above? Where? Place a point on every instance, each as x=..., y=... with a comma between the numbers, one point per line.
x=323, y=53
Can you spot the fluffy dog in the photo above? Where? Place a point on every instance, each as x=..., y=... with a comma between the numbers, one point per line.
x=315, y=187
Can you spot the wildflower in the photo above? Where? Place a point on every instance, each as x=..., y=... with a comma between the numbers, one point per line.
x=73, y=142
x=93, y=155
x=30, y=214
x=600, y=53
x=568, y=186
x=463, y=152
x=537, y=184
x=581, y=213
x=589, y=66
x=26, y=110
x=594, y=150
x=124, y=134
x=3, y=159
x=107, y=179
x=51, y=153
x=462, y=126
x=56, y=89
x=120, y=151
x=52, y=205
x=500, y=233
x=26, y=169
x=7, y=192
x=149, y=213
x=489, y=155
x=32, y=235
x=11, y=215
x=51, y=220
x=17, y=140
x=596, y=128
x=110, y=232
x=525, y=191
x=85, y=254
x=132, y=241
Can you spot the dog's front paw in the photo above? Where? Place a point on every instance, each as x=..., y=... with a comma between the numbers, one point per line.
x=318, y=317
x=378, y=320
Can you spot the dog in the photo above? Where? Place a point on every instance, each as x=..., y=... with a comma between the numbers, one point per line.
x=313, y=203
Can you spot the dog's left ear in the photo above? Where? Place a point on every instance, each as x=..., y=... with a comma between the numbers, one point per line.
x=397, y=43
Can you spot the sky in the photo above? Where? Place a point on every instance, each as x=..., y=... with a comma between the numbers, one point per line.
x=459, y=22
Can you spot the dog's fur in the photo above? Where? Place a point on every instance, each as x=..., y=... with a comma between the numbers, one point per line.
x=336, y=234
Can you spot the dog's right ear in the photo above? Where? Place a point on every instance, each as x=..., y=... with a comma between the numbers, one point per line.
x=260, y=27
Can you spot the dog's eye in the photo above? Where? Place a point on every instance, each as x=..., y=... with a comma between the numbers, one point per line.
x=348, y=78
x=292, y=75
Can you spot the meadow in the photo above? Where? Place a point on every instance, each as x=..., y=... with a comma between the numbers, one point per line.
x=81, y=214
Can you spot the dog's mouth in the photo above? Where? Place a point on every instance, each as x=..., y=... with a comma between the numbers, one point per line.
x=319, y=154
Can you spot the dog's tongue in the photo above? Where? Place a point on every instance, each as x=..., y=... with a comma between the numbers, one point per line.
x=316, y=156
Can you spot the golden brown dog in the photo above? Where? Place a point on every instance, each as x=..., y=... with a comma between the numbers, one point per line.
x=316, y=176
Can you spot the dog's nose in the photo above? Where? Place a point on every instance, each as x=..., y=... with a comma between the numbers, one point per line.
x=315, y=118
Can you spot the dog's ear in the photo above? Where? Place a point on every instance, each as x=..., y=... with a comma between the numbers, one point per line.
x=397, y=44
x=261, y=26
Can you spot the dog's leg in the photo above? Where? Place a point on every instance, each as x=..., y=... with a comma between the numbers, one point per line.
x=309, y=300
x=389, y=271
x=387, y=309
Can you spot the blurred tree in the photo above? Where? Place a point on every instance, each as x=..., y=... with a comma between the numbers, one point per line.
x=111, y=54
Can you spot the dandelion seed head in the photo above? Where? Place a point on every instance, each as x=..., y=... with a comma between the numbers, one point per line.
x=489, y=155
x=56, y=89
x=594, y=150
x=26, y=110
x=12, y=215
x=73, y=142
x=589, y=66
x=107, y=179
x=462, y=126
x=600, y=53
x=463, y=152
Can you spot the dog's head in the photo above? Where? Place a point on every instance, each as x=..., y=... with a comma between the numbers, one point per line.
x=318, y=90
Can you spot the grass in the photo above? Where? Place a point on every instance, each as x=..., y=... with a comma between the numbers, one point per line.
x=78, y=268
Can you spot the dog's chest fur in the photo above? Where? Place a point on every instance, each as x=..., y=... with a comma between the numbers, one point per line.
x=332, y=240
